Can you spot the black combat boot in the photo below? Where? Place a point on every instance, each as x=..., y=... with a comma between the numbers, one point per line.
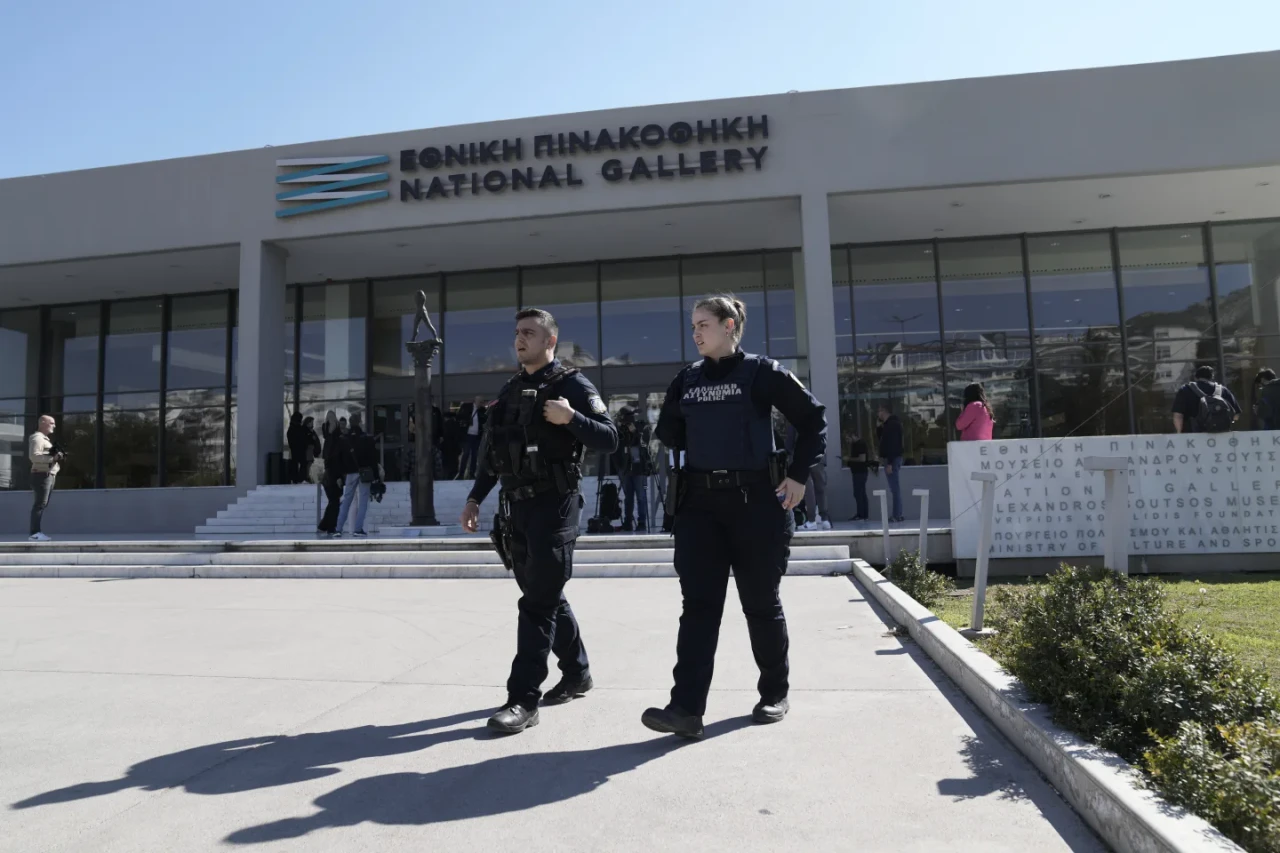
x=513, y=718
x=673, y=720
x=770, y=712
x=568, y=689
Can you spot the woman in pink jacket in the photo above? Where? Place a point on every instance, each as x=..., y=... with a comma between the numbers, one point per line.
x=975, y=422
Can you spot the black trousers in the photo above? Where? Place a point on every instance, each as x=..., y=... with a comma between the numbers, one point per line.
x=544, y=531
x=333, y=492
x=745, y=530
x=860, y=493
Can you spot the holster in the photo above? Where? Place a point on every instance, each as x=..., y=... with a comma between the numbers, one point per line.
x=500, y=535
x=677, y=484
x=778, y=461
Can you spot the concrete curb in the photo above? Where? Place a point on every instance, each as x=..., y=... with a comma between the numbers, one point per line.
x=1099, y=784
x=337, y=570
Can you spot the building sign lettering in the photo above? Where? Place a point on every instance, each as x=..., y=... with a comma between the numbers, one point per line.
x=1188, y=494
x=501, y=152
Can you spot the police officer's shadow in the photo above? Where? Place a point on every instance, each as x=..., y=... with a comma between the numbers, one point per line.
x=269, y=761
x=511, y=783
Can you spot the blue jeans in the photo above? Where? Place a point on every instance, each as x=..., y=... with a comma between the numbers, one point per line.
x=632, y=485
x=353, y=487
x=895, y=488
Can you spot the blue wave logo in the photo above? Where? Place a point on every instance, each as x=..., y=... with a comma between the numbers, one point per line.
x=328, y=182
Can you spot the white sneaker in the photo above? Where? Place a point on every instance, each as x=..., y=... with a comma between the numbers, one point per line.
x=824, y=525
x=38, y=537
x=809, y=525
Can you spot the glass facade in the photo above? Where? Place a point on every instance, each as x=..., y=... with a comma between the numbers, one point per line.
x=142, y=390
x=625, y=324
x=1083, y=333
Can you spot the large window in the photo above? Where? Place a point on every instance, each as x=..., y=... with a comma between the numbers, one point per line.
x=569, y=293
x=898, y=348
x=984, y=309
x=138, y=389
x=19, y=388
x=332, y=332
x=1168, y=318
x=479, y=322
x=643, y=322
x=1077, y=333
x=1247, y=267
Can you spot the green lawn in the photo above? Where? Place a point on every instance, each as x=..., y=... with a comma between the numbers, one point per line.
x=1242, y=609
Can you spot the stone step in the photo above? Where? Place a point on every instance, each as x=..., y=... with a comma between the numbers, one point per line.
x=585, y=556
x=457, y=571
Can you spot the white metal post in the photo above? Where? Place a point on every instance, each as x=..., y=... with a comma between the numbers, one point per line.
x=984, y=547
x=884, y=520
x=1115, y=476
x=923, y=495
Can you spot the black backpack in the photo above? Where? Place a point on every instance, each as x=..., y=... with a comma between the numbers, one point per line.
x=1269, y=405
x=1215, y=413
x=610, y=507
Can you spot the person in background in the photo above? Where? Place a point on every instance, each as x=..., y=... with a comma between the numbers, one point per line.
x=634, y=466
x=976, y=421
x=891, y=452
x=1220, y=408
x=45, y=462
x=338, y=462
x=471, y=417
x=858, y=468
x=313, y=449
x=297, y=441
x=1266, y=400
x=364, y=464
x=815, y=491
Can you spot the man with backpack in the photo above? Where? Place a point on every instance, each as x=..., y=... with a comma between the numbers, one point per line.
x=1204, y=406
x=1266, y=395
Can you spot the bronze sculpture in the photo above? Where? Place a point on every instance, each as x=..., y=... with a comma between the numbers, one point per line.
x=421, y=316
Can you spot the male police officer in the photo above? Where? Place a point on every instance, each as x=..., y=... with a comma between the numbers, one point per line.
x=533, y=443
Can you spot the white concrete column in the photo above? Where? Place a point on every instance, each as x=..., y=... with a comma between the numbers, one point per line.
x=260, y=396
x=820, y=315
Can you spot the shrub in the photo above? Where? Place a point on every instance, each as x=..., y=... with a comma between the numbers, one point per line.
x=917, y=580
x=1237, y=788
x=1115, y=665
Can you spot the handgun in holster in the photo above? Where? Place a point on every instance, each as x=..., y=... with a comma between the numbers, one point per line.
x=778, y=461
x=677, y=483
x=500, y=535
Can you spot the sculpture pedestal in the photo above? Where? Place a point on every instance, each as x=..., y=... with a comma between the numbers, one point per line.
x=422, y=479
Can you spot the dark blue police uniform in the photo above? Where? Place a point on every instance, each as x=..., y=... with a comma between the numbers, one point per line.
x=539, y=466
x=720, y=414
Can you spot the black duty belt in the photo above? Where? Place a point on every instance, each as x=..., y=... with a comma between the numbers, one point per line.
x=524, y=493
x=725, y=479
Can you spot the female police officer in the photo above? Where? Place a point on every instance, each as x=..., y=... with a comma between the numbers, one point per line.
x=735, y=508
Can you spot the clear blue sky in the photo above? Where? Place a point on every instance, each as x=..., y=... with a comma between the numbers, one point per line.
x=86, y=84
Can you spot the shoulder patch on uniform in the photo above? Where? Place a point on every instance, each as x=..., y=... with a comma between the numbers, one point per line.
x=597, y=405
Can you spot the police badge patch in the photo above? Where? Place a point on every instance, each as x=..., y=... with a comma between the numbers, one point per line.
x=597, y=405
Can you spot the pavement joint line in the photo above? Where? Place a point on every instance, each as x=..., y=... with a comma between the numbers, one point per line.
x=374, y=683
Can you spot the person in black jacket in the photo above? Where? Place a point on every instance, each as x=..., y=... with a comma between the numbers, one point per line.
x=735, y=513
x=536, y=432
x=339, y=461
x=891, y=453
x=296, y=438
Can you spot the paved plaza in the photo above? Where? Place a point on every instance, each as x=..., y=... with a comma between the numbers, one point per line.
x=342, y=715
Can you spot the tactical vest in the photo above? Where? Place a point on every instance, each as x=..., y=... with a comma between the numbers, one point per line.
x=522, y=444
x=724, y=430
